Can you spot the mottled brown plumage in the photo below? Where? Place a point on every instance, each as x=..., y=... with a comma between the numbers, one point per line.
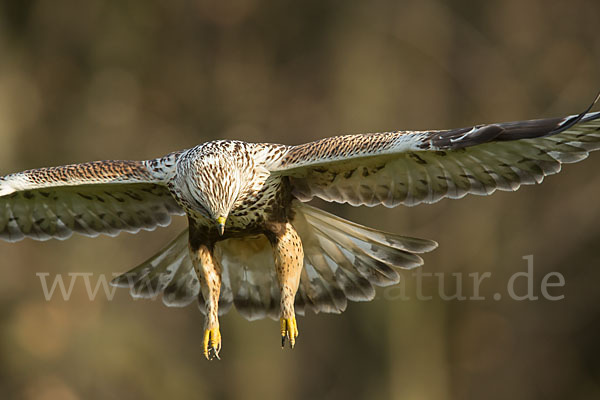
x=252, y=242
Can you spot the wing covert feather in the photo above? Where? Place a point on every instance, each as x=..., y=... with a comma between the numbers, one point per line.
x=423, y=167
x=100, y=197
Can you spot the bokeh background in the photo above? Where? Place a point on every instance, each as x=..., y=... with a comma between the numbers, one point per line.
x=86, y=80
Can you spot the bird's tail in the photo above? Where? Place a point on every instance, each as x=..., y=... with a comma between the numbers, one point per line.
x=342, y=261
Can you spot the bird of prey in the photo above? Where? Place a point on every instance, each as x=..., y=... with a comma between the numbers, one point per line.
x=252, y=241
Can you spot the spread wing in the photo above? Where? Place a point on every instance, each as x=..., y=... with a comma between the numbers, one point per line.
x=92, y=198
x=423, y=167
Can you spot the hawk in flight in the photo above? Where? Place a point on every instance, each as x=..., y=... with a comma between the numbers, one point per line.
x=252, y=241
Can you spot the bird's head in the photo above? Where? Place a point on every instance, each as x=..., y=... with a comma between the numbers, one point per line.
x=222, y=177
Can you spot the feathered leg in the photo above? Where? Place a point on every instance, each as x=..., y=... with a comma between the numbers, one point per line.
x=289, y=258
x=208, y=271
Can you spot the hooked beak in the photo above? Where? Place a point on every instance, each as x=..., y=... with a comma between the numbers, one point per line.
x=221, y=225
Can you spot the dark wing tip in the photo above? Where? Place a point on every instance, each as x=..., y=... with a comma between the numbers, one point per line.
x=479, y=134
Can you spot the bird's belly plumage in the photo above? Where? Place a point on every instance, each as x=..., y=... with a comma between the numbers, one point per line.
x=269, y=204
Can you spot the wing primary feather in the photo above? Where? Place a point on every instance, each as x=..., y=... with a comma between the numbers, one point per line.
x=411, y=168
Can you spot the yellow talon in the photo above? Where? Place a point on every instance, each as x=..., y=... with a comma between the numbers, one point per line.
x=212, y=343
x=289, y=330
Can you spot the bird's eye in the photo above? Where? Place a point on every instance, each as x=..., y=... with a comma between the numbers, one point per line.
x=201, y=209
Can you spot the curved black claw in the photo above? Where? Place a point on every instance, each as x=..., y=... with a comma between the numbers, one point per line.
x=212, y=343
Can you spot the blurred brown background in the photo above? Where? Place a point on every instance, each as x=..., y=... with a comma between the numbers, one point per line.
x=90, y=80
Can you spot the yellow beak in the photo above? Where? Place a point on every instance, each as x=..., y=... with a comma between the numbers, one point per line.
x=221, y=225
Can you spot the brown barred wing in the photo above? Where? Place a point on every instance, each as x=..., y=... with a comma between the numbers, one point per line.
x=102, y=197
x=423, y=167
